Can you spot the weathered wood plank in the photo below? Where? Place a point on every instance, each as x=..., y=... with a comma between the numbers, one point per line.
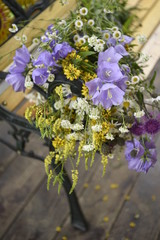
x=101, y=203
x=6, y=155
x=53, y=207
x=40, y=22
x=11, y=99
x=18, y=184
x=149, y=23
x=151, y=48
x=143, y=204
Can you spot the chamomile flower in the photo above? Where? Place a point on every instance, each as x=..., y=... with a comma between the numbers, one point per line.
x=86, y=37
x=83, y=11
x=117, y=34
x=135, y=79
x=106, y=36
x=82, y=40
x=78, y=24
x=114, y=29
x=91, y=22
x=36, y=41
x=13, y=29
x=51, y=77
x=24, y=38
x=76, y=38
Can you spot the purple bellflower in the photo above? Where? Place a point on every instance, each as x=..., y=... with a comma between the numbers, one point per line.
x=105, y=94
x=16, y=76
x=61, y=50
x=139, y=157
x=43, y=62
x=109, y=72
x=110, y=55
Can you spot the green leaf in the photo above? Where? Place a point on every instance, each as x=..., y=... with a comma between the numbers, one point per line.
x=140, y=97
x=86, y=54
x=152, y=80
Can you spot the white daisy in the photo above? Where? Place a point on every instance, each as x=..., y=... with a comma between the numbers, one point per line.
x=83, y=11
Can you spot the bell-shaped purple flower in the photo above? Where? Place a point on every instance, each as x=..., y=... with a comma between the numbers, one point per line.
x=109, y=72
x=40, y=76
x=105, y=94
x=17, y=81
x=121, y=50
x=46, y=59
x=139, y=157
x=110, y=95
x=61, y=50
x=16, y=77
x=110, y=55
x=125, y=39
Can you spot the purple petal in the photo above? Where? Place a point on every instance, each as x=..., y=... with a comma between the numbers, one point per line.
x=40, y=76
x=17, y=81
x=121, y=50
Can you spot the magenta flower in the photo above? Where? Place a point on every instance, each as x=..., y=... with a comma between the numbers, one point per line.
x=16, y=77
x=152, y=126
x=137, y=129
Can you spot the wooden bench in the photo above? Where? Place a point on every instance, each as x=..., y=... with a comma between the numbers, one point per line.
x=149, y=19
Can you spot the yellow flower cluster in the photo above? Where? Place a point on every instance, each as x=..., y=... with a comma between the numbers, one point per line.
x=74, y=179
x=58, y=142
x=86, y=76
x=104, y=162
x=85, y=91
x=71, y=72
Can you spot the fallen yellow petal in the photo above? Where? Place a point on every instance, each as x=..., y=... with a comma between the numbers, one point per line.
x=58, y=229
x=132, y=224
x=105, y=198
x=97, y=187
x=114, y=186
x=127, y=198
x=85, y=185
x=106, y=219
x=153, y=198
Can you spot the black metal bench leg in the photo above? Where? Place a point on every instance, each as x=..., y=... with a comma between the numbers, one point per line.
x=77, y=217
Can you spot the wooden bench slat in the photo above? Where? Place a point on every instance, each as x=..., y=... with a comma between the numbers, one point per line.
x=54, y=11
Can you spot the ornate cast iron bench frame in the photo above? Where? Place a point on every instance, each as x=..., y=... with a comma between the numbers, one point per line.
x=21, y=129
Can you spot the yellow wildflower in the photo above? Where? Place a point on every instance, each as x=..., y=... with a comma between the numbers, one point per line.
x=104, y=162
x=58, y=142
x=74, y=179
x=132, y=224
x=71, y=72
x=84, y=49
x=84, y=90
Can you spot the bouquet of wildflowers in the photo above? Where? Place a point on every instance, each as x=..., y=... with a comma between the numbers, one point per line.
x=100, y=96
